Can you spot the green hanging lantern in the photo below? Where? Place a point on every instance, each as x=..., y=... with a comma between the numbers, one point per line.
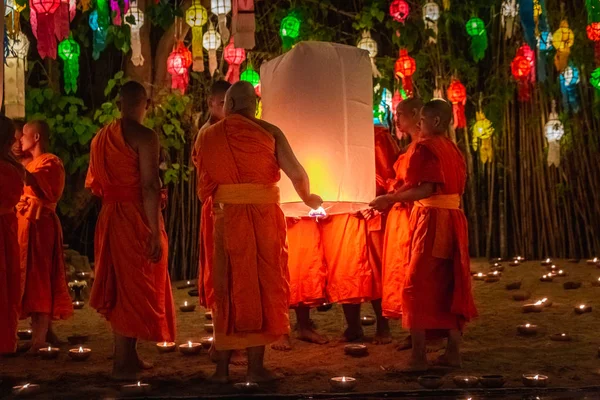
x=595, y=79
x=250, y=75
x=289, y=31
x=479, y=40
x=68, y=51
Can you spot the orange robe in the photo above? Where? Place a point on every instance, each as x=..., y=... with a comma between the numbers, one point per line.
x=238, y=173
x=11, y=186
x=133, y=293
x=43, y=272
x=437, y=287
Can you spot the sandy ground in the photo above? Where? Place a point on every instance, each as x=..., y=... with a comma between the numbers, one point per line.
x=492, y=346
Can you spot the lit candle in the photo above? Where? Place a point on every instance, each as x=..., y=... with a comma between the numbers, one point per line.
x=596, y=283
x=546, y=278
x=187, y=307
x=78, y=305
x=136, y=388
x=24, y=334
x=546, y=262
x=80, y=354
x=246, y=387
x=342, y=383
x=583, y=308
x=165, y=347
x=190, y=348
x=27, y=389
x=206, y=342
x=527, y=329
x=530, y=308
x=466, y=382
x=479, y=276
x=593, y=261
x=561, y=273
x=48, y=353
x=537, y=380
x=560, y=337
x=368, y=320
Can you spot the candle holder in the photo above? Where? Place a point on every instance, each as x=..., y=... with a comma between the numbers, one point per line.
x=466, y=382
x=28, y=389
x=209, y=328
x=246, y=387
x=49, y=353
x=207, y=342
x=513, y=286
x=521, y=296
x=593, y=261
x=546, y=278
x=324, y=307
x=368, y=320
x=24, y=334
x=80, y=354
x=532, y=308
x=23, y=347
x=496, y=260
x=552, y=268
x=545, y=302
x=187, y=285
x=190, y=348
x=546, y=262
x=208, y=316
x=583, y=308
x=497, y=267
x=493, y=277
x=492, y=381
x=514, y=263
x=83, y=275
x=480, y=276
x=78, y=305
x=343, y=383
x=75, y=340
x=136, y=388
x=534, y=380
x=527, y=329
x=519, y=259
x=187, y=307
x=571, y=285
x=431, y=381
x=165, y=347
x=561, y=337
x=356, y=350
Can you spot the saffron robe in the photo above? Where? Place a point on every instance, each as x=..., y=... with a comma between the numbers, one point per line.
x=11, y=186
x=43, y=272
x=437, y=287
x=129, y=290
x=238, y=172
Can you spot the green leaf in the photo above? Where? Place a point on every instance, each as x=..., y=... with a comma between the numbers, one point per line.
x=80, y=129
x=48, y=93
x=168, y=129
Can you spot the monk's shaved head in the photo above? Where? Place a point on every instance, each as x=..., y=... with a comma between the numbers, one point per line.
x=241, y=99
x=410, y=105
x=436, y=116
x=41, y=128
x=133, y=101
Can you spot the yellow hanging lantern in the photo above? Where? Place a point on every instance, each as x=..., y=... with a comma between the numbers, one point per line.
x=196, y=16
x=483, y=130
x=14, y=76
x=563, y=39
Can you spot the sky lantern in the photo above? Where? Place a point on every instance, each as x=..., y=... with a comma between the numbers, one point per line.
x=482, y=137
x=289, y=31
x=328, y=123
x=554, y=131
x=457, y=95
x=211, y=41
x=479, y=40
x=196, y=17
x=43, y=25
x=369, y=44
x=221, y=8
x=510, y=10
x=234, y=57
x=431, y=16
x=563, y=39
x=404, y=69
x=399, y=10
x=137, y=15
x=178, y=63
x=69, y=51
x=14, y=76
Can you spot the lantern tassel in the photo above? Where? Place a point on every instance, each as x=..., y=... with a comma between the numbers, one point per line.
x=137, y=58
x=407, y=85
x=486, y=151
x=46, y=44
x=597, y=52
x=233, y=73
x=524, y=90
x=561, y=59
x=243, y=23
x=180, y=81
x=554, y=153
x=376, y=73
x=212, y=62
x=198, y=61
x=61, y=21
x=479, y=44
x=446, y=4
x=460, y=120
x=509, y=26
x=14, y=87
x=99, y=43
x=225, y=34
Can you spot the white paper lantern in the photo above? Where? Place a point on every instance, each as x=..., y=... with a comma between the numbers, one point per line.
x=510, y=10
x=136, y=45
x=369, y=44
x=554, y=131
x=211, y=40
x=431, y=16
x=14, y=76
x=221, y=8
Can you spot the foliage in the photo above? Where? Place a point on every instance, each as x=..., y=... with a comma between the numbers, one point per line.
x=108, y=111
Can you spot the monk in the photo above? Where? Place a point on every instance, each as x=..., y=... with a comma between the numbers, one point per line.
x=436, y=292
x=45, y=294
x=18, y=154
x=239, y=162
x=132, y=289
x=12, y=174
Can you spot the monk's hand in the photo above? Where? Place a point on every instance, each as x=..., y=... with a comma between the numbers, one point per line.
x=155, y=248
x=381, y=203
x=313, y=201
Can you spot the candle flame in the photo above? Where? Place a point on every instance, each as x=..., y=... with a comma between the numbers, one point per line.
x=582, y=306
x=80, y=349
x=595, y=259
x=545, y=299
x=527, y=325
x=544, y=276
x=25, y=386
x=189, y=343
x=536, y=377
x=188, y=282
x=538, y=303
x=247, y=383
x=481, y=274
x=564, y=334
x=185, y=303
x=139, y=383
x=343, y=379
x=560, y=271
x=49, y=348
x=164, y=344
x=548, y=260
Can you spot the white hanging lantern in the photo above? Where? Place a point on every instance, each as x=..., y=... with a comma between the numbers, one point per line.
x=137, y=58
x=14, y=76
x=369, y=44
x=431, y=16
x=554, y=131
x=510, y=10
x=196, y=17
x=221, y=8
x=211, y=42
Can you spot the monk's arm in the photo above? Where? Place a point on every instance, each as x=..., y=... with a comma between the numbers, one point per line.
x=31, y=181
x=416, y=193
x=291, y=166
x=149, y=154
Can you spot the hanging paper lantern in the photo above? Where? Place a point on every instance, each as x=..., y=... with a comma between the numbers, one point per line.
x=595, y=79
x=369, y=44
x=537, y=11
x=99, y=21
x=593, y=33
x=43, y=26
x=529, y=54
x=243, y=23
x=569, y=79
x=178, y=63
x=521, y=70
x=483, y=131
x=396, y=99
x=457, y=95
x=12, y=13
x=479, y=40
x=399, y=10
x=563, y=39
x=289, y=31
x=196, y=17
x=258, y=114
x=221, y=8
x=68, y=50
x=510, y=10
x=554, y=131
x=405, y=68
x=116, y=10
x=250, y=75
x=431, y=16
x=235, y=58
x=545, y=41
x=383, y=111
x=14, y=76
x=62, y=20
x=136, y=16
x=211, y=42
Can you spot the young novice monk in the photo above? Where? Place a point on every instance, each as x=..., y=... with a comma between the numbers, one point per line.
x=436, y=294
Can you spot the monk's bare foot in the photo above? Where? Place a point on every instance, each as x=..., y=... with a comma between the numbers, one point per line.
x=263, y=375
x=218, y=378
x=238, y=359
x=448, y=361
x=383, y=335
x=352, y=335
x=406, y=344
x=35, y=348
x=144, y=365
x=311, y=336
x=412, y=366
x=283, y=344
x=433, y=346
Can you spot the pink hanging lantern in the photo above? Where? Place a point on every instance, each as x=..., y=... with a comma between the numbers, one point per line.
x=62, y=19
x=178, y=64
x=43, y=25
x=234, y=57
x=116, y=10
x=399, y=10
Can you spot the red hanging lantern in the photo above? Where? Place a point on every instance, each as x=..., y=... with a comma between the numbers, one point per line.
x=396, y=99
x=44, y=27
x=521, y=70
x=457, y=95
x=399, y=10
x=62, y=20
x=593, y=33
x=234, y=57
x=405, y=68
x=178, y=63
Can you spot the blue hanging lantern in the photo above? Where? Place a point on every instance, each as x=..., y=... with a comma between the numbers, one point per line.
x=569, y=80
